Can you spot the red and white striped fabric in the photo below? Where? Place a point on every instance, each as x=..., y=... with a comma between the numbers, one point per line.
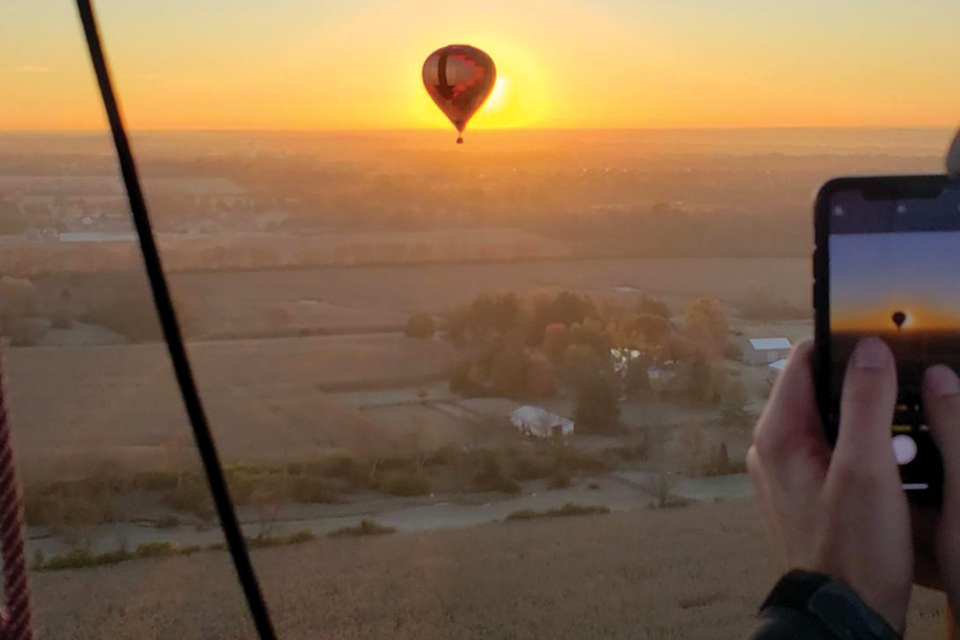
x=15, y=621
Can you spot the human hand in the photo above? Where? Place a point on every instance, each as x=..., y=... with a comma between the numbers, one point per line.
x=937, y=534
x=841, y=511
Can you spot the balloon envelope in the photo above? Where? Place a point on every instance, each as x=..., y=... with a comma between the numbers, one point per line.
x=899, y=318
x=459, y=78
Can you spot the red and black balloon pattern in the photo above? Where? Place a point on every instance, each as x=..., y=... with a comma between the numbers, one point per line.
x=459, y=78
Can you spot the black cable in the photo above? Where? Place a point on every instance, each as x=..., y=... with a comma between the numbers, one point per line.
x=171, y=332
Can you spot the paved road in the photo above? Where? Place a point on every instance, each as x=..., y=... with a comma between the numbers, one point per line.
x=624, y=491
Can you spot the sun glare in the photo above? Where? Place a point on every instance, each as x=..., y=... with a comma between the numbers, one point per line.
x=498, y=97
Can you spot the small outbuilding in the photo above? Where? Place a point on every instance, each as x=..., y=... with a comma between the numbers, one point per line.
x=540, y=423
x=774, y=369
x=766, y=350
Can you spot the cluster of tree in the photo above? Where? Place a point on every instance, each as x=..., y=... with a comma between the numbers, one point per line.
x=524, y=320
x=505, y=368
x=528, y=346
x=535, y=346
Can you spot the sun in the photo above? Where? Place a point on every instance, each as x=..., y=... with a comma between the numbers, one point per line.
x=499, y=96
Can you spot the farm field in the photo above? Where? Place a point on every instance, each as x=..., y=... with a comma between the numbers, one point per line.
x=437, y=288
x=267, y=399
x=255, y=303
x=637, y=574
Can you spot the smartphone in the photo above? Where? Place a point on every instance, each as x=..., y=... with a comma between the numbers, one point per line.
x=887, y=263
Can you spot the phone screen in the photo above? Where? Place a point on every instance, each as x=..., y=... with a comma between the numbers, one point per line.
x=894, y=272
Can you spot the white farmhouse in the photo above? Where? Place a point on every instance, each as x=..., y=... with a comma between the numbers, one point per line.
x=766, y=350
x=540, y=423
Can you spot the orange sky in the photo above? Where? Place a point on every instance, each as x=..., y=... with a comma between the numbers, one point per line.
x=354, y=64
x=919, y=317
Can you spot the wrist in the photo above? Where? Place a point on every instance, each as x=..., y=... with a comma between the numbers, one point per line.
x=840, y=611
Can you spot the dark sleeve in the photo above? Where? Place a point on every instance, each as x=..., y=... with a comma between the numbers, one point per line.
x=813, y=606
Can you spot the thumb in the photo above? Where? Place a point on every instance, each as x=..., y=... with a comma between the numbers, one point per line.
x=941, y=404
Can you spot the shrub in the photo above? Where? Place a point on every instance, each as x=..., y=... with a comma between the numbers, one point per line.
x=491, y=476
x=399, y=483
x=524, y=514
x=262, y=541
x=311, y=491
x=192, y=496
x=296, y=469
x=574, y=509
x=344, y=468
x=661, y=486
x=68, y=510
x=720, y=463
x=528, y=465
x=80, y=558
x=156, y=549
x=572, y=460
x=365, y=528
x=156, y=480
x=304, y=535
x=567, y=510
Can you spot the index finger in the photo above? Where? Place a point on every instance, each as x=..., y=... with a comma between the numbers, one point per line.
x=790, y=423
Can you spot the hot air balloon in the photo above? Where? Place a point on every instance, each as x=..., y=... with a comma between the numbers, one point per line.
x=899, y=318
x=459, y=78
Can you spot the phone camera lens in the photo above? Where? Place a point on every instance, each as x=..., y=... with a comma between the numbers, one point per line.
x=901, y=208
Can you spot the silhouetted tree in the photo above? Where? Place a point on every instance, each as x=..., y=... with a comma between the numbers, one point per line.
x=707, y=326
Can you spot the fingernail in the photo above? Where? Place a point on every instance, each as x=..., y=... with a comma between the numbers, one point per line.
x=871, y=353
x=942, y=381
